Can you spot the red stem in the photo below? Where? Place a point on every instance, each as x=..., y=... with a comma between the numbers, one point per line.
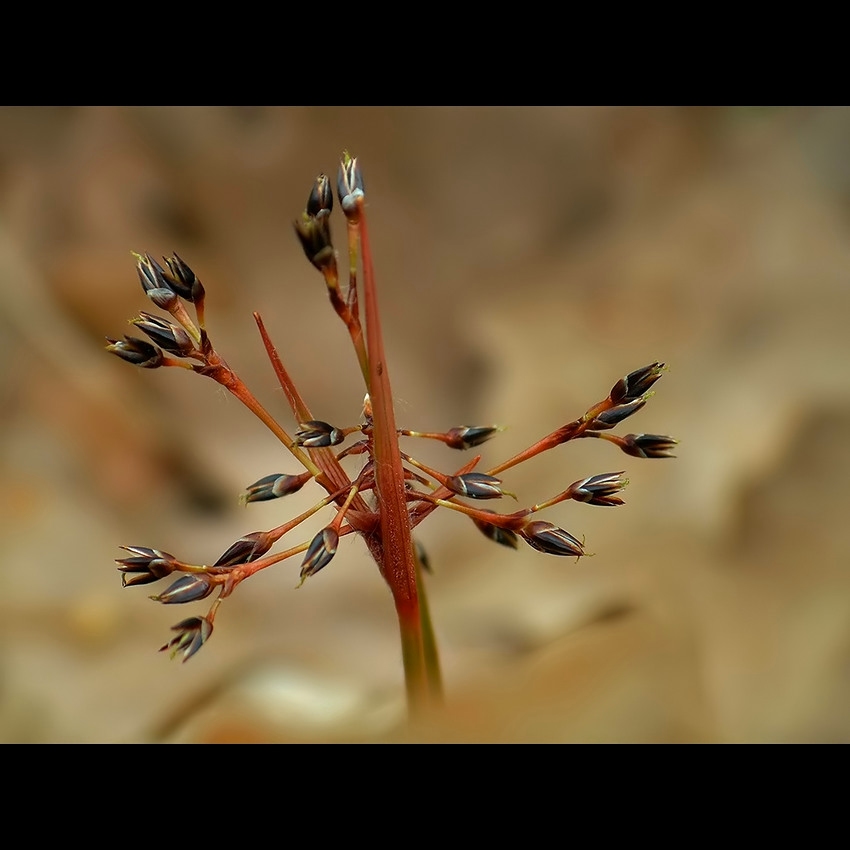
x=334, y=476
x=399, y=565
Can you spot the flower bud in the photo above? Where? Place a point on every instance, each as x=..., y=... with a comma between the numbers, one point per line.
x=550, y=539
x=467, y=436
x=188, y=588
x=599, y=489
x=183, y=280
x=636, y=383
x=275, y=486
x=648, y=445
x=349, y=184
x=192, y=634
x=476, y=485
x=247, y=548
x=147, y=566
x=321, y=200
x=163, y=298
x=322, y=548
x=316, y=434
x=151, y=273
x=609, y=418
x=314, y=232
x=136, y=351
x=168, y=335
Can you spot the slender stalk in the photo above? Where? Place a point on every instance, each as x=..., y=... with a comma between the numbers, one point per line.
x=355, y=329
x=234, y=384
x=422, y=675
x=333, y=475
x=561, y=435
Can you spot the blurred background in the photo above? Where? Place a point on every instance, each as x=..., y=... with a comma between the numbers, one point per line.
x=526, y=259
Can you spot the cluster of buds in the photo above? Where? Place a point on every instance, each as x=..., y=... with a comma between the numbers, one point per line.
x=317, y=446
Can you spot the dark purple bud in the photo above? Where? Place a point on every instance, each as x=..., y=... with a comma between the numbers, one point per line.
x=321, y=198
x=467, y=436
x=609, y=418
x=349, y=184
x=275, y=486
x=191, y=635
x=314, y=233
x=550, y=539
x=183, y=280
x=188, y=588
x=165, y=299
x=167, y=335
x=636, y=383
x=322, y=548
x=316, y=434
x=648, y=445
x=147, y=566
x=155, y=282
x=599, y=489
x=135, y=351
x=246, y=549
x=141, y=578
x=151, y=273
x=502, y=536
x=476, y=485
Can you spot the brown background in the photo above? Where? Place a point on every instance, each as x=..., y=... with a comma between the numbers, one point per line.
x=526, y=259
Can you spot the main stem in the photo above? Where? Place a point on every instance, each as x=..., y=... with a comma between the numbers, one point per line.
x=400, y=569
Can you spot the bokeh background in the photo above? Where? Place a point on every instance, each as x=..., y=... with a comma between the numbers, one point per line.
x=526, y=258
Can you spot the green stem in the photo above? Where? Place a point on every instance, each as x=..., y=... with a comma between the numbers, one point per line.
x=416, y=679
x=429, y=641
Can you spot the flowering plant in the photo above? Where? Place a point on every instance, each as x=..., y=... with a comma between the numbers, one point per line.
x=391, y=492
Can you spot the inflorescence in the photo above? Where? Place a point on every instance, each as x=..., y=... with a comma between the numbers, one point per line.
x=182, y=341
